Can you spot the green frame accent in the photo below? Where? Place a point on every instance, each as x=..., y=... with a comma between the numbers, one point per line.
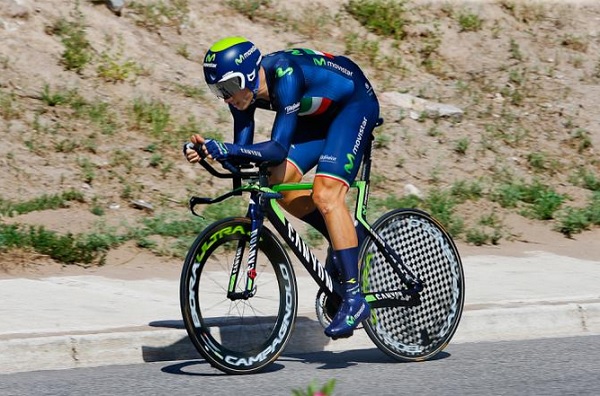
x=361, y=203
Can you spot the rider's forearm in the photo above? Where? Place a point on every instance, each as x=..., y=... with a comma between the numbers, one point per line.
x=265, y=151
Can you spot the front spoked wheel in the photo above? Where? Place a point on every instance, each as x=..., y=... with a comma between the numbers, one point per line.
x=237, y=334
x=418, y=332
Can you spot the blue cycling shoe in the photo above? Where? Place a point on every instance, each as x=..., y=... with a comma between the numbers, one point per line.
x=352, y=312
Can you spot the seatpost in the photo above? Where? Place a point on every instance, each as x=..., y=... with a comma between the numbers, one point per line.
x=263, y=175
x=365, y=173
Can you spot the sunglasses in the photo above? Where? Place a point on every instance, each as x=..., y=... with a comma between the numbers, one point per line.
x=225, y=89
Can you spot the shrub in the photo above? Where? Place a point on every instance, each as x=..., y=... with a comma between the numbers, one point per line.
x=383, y=17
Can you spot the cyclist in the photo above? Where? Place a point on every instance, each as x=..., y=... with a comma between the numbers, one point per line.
x=325, y=111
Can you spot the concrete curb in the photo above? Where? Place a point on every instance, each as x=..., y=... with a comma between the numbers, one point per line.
x=497, y=323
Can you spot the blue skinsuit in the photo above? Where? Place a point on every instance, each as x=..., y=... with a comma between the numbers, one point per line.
x=326, y=111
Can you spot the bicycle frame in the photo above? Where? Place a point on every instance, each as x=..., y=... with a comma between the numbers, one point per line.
x=263, y=203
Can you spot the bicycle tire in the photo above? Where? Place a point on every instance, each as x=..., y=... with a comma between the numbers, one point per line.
x=414, y=333
x=245, y=335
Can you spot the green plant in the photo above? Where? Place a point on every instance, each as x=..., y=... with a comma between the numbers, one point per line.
x=100, y=113
x=537, y=161
x=127, y=192
x=593, y=208
x=476, y=236
x=596, y=71
x=586, y=179
x=251, y=9
x=382, y=140
x=122, y=158
x=572, y=221
x=192, y=126
x=231, y=208
x=383, y=17
x=400, y=160
x=313, y=21
x=488, y=230
x=44, y=202
x=434, y=131
x=429, y=46
x=97, y=210
x=440, y=204
x=581, y=139
x=78, y=50
x=526, y=12
x=155, y=160
x=464, y=190
x=8, y=106
x=378, y=180
x=153, y=15
x=54, y=98
x=178, y=233
x=4, y=62
x=575, y=220
x=87, y=170
x=461, y=146
x=575, y=43
x=544, y=201
x=314, y=390
x=152, y=116
x=469, y=22
x=515, y=50
x=81, y=249
x=66, y=146
x=112, y=67
x=508, y=194
x=190, y=91
x=182, y=50
x=313, y=237
x=362, y=48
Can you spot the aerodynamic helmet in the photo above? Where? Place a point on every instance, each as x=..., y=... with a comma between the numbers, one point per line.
x=231, y=65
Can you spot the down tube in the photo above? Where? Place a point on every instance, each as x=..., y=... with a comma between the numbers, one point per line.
x=299, y=247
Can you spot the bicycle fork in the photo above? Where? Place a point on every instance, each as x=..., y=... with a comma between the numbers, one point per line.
x=256, y=215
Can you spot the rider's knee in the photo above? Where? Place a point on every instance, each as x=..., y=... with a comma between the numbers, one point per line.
x=327, y=197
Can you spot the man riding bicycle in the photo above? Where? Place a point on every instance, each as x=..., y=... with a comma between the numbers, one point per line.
x=326, y=111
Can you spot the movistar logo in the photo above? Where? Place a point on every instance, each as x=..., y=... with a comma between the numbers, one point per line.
x=319, y=61
x=280, y=72
x=210, y=58
x=350, y=165
x=239, y=59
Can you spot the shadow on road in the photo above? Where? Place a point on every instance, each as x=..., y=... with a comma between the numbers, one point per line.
x=203, y=369
x=326, y=360
x=308, y=336
x=336, y=360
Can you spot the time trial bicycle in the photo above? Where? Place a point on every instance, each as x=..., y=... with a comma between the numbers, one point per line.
x=238, y=289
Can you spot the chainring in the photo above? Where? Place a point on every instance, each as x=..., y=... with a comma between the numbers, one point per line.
x=326, y=308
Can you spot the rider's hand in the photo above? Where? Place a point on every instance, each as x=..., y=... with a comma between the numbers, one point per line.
x=217, y=150
x=190, y=150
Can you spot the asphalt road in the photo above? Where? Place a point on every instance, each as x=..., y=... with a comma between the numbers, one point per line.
x=560, y=366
